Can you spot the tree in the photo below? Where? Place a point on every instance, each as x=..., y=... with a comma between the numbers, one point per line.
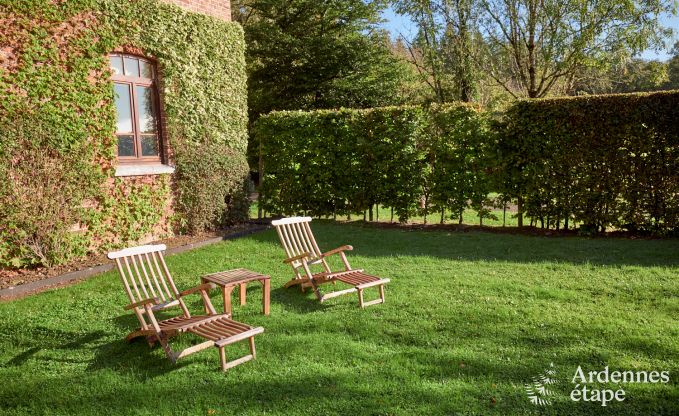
x=441, y=50
x=673, y=68
x=635, y=75
x=311, y=54
x=535, y=44
x=641, y=75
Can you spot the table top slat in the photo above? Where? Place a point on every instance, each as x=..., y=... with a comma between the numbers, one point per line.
x=233, y=277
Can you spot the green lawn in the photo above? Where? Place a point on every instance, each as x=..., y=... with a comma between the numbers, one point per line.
x=470, y=319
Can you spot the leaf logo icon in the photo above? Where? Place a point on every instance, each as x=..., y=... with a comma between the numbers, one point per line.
x=537, y=391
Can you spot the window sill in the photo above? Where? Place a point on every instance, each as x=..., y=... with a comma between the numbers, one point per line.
x=141, y=170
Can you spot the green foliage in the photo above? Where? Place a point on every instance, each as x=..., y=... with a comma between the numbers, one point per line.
x=311, y=54
x=673, y=68
x=341, y=162
x=202, y=64
x=212, y=191
x=133, y=207
x=443, y=49
x=42, y=192
x=601, y=160
x=55, y=75
x=461, y=155
x=53, y=126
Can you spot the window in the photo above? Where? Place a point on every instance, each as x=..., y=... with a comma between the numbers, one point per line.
x=136, y=100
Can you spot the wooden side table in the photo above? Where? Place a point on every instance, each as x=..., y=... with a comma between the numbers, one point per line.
x=229, y=279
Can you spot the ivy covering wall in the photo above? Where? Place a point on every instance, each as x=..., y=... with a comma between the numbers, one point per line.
x=57, y=124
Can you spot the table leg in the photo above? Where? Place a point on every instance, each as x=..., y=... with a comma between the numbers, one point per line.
x=226, y=292
x=243, y=286
x=266, y=296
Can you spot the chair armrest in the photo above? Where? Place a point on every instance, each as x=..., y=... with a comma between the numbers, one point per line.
x=337, y=250
x=204, y=286
x=144, y=302
x=203, y=289
x=299, y=257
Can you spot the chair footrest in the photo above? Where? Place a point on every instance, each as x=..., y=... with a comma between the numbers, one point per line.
x=375, y=283
x=243, y=335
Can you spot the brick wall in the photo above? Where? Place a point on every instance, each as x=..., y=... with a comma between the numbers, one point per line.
x=217, y=8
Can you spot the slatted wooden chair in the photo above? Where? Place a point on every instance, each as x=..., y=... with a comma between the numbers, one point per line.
x=302, y=252
x=150, y=288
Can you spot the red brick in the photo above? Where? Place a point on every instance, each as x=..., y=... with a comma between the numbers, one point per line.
x=220, y=9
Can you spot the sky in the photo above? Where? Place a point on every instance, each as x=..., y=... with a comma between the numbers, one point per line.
x=402, y=25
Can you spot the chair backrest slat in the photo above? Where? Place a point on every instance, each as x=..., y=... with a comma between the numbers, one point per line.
x=304, y=238
x=153, y=263
x=307, y=228
x=145, y=275
x=164, y=294
x=296, y=237
x=138, y=277
x=128, y=290
x=299, y=241
x=149, y=284
x=133, y=281
x=288, y=253
x=290, y=241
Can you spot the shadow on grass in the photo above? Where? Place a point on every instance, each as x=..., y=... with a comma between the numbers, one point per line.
x=477, y=246
x=78, y=348
x=46, y=339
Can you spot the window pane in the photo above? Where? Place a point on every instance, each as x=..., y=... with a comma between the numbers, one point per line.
x=145, y=107
x=131, y=67
x=117, y=65
x=123, y=107
x=125, y=145
x=146, y=69
x=149, y=146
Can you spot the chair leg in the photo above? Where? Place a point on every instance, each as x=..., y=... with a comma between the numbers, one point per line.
x=251, y=340
x=166, y=347
x=151, y=341
x=222, y=358
x=377, y=301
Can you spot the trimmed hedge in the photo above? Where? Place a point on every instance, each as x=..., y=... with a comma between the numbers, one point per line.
x=56, y=99
x=600, y=160
x=331, y=162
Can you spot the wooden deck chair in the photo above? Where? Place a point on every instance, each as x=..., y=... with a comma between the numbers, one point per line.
x=302, y=252
x=150, y=287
